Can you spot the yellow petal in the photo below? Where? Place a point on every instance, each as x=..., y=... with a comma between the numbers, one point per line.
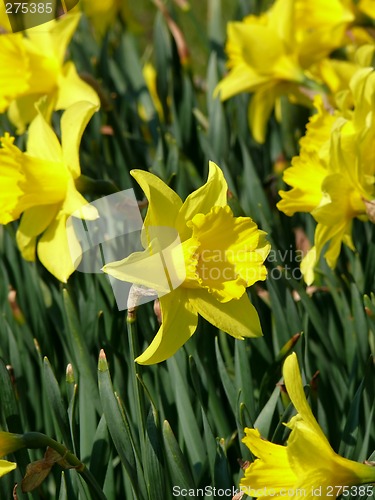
x=52, y=38
x=260, y=108
x=164, y=203
x=141, y=268
x=228, y=260
x=179, y=322
x=368, y=7
x=239, y=317
x=53, y=248
x=306, y=176
x=72, y=89
x=248, y=37
x=307, y=266
x=212, y=193
x=12, y=177
x=75, y=204
x=28, y=181
x=294, y=386
x=14, y=71
x=6, y=467
x=335, y=235
x=316, y=464
x=281, y=20
x=4, y=19
x=23, y=110
x=73, y=123
x=33, y=222
x=42, y=141
x=241, y=78
x=46, y=182
x=271, y=472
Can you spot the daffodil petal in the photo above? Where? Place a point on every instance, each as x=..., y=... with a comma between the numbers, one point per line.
x=42, y=141
x=260, y=108
x=212, y=193
x=306, y=176
x=33, y=222
x=307, y=266
x=53, y=37
x=241, y=78
x=73, y=123
x=334, y=234
x=4, y=20
x=164, y=203
x=141, y=268
x=72, y=89
x=53, y=248
x=179, y=322
x=271, y=472
x=75, y=204
x=239, y=317
x=14, y=72
x=24, y=109
x=6, y=467
x=294, y=386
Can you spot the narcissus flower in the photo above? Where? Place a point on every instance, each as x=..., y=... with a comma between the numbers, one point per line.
x=222, y=255
x=103, y=13
x=333, y=176
x=8, y=444
x=40, y=184
x=32, y=66
x=307, y=466
x=274, y=54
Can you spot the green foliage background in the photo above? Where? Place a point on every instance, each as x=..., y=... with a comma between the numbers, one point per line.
x=141, y=430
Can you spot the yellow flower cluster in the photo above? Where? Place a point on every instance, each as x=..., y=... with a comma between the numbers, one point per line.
x=33, y=66
x=333, y=176
x=39, y=183
x=286, y=52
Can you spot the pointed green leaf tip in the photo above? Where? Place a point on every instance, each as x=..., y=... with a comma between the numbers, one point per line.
x=102, y=363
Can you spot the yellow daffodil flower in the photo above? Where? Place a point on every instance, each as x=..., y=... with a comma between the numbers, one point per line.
x=103, y=13
x=307, y=466
x=32, y=66
x=333, y=176
x=8, y=444
x=40, y=184
x=273, y=54
x=222, y=255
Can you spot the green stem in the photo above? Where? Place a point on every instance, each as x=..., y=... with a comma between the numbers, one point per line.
x=39, y=440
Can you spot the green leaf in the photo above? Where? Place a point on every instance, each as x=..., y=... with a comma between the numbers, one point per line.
x=57, y=404
x=177, y=464
x=117, y=423
x=187, y=419
x=153, y=458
